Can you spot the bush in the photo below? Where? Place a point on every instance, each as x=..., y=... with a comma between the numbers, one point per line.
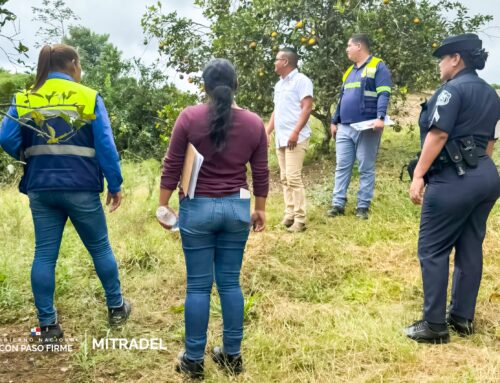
x=11, y=83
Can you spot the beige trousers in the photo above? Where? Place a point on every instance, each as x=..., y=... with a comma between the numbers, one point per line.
x=291, y=162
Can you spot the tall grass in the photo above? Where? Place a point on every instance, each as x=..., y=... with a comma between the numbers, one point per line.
x=326, y=305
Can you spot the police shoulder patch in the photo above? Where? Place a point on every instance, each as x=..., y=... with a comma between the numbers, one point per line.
x=443, y=98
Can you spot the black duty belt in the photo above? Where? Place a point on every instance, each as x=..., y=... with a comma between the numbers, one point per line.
x=462, y=153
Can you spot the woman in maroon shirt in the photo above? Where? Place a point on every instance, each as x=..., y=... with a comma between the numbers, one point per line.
x=215, y=224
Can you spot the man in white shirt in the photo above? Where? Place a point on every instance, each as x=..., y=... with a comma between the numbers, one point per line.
x=293, y=99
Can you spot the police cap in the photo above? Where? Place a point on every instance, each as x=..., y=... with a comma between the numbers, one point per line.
x=458, y=43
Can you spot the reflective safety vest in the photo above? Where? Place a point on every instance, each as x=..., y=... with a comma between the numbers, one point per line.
x=63, y=159
x=367, y=84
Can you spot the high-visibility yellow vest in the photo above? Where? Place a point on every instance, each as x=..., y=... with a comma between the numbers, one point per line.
x=57, y=95
x=369, y=71
x=67, y=163
x=61, y=94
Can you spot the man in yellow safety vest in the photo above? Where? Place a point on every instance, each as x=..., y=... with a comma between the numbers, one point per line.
x=364, y=96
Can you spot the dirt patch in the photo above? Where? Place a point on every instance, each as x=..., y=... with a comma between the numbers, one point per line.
x=30, y=366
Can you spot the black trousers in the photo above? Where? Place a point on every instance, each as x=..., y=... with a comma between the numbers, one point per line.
x=454, y=214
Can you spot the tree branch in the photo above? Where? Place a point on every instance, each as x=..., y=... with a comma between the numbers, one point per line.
x=200, y=25
x=36, y=107
x=25, y=125
x=318, y=115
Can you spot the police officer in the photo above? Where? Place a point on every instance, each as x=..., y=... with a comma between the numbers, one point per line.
x=457, y=128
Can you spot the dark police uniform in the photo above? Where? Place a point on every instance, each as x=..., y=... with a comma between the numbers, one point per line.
x=456, y=207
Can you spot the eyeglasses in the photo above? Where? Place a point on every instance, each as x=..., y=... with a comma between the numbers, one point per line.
x=279, y=59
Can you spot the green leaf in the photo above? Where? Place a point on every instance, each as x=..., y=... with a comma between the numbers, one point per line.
x=21, y=48
x=88, y=116
x=80, y=109
x=52, y=132
x=49, y=96
x=63, y=136
x=36, y=95
x=77, y=124
x=38, y=118
x=65, y=117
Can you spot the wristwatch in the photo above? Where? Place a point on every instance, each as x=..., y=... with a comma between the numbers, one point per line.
x=381, y=117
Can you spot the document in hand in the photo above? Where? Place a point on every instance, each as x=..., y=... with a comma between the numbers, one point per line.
x=192, y=165
x=364, y=125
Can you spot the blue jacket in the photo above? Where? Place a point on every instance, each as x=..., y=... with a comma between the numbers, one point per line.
x=364, y=97
x=66, y=172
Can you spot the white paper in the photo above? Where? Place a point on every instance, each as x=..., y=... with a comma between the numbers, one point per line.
x=364, y=125
x=198, y=161
x=244, y=193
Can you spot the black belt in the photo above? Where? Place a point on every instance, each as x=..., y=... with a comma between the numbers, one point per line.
x=443, y=161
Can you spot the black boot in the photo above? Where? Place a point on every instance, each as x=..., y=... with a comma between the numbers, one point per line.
x=461, y=325
x=421, y=331
x=51, y=334
x=362, y=213
x=335, y=211
x=192, y=368
x=119, y=315
x=232, y=363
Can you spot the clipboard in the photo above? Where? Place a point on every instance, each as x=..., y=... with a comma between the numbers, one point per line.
x=365, y=125
x=190, y=170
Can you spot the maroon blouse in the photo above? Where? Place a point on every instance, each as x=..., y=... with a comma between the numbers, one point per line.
x=224, y=172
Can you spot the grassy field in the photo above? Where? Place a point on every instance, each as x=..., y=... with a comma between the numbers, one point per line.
x=326, y=305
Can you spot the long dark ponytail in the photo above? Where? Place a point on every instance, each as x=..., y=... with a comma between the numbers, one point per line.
x=57, y=57
x=220, y=81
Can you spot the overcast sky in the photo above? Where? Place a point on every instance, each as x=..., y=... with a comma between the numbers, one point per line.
x=121, y=20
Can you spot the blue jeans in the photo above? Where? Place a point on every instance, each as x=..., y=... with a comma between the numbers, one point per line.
x=214, y=232
x=50, y=211
x=353, y=145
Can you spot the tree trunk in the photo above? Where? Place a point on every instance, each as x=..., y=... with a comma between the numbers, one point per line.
x=325, y=143
x=327, y=135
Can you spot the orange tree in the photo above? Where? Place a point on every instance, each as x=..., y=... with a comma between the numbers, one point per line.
x=249, y=33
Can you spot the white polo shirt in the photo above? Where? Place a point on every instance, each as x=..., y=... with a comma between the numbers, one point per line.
x=288, y=93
